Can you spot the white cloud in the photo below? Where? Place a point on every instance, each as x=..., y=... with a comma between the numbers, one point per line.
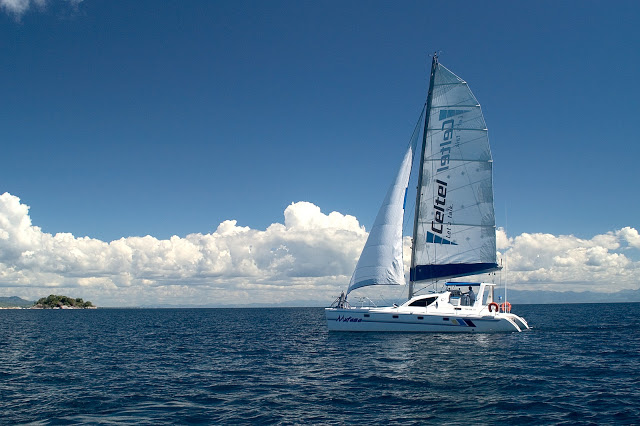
x=629, y=235
x=308, y=257
x=20, y=7
x=565, y=262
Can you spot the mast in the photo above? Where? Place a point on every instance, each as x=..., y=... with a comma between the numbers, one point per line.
x=434, y=66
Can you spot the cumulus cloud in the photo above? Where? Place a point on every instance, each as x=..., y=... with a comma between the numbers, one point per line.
x=18, y=8
x=566, y=262
x=308, y=257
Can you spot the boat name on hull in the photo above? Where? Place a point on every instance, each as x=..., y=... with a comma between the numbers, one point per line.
x=342, y=318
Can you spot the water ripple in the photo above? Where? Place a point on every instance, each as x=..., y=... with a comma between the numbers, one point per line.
x=579, y=365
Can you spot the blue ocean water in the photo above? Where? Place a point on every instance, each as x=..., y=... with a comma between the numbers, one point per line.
x=579, y=365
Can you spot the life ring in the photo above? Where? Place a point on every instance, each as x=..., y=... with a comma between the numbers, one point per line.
x=505, y=307
x=495, y=305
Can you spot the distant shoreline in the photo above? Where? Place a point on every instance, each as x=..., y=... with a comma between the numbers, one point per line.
x=43, y=308
x=50, y=302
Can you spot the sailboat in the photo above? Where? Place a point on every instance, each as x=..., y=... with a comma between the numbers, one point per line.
x=454, y=233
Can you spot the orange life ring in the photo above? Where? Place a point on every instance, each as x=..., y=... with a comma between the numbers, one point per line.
x=493, y=304
x=505, y=307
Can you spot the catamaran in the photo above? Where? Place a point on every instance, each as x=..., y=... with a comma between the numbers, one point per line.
x=454, y=233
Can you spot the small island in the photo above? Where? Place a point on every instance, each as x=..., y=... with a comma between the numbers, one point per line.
x=62, y=302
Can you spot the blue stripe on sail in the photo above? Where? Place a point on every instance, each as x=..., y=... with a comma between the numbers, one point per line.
x=446, y=113
x=433, y=238
x=427, y=272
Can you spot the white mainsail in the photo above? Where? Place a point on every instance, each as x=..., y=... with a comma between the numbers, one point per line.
x=381, y=261
x=455, y=226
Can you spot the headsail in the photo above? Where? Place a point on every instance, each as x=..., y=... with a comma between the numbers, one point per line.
x=455, y=226
x=381, y=261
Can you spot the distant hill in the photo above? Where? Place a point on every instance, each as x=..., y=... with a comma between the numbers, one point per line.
x=15, y=302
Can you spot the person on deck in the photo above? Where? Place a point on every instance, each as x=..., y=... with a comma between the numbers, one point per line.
x=472, y=296
x=342, y=301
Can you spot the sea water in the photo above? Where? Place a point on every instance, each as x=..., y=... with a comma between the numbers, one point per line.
x=580, y=364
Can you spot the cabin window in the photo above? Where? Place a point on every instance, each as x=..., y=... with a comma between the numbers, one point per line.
x=445, y=319
x=424, y=302
x=395, y=316
x=366, y=315
x=420, y=317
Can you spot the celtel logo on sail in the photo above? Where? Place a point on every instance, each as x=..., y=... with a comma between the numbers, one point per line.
x=441, y=230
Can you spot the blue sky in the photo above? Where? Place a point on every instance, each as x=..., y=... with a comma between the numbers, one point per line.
x=142, y=117
x=133, y=118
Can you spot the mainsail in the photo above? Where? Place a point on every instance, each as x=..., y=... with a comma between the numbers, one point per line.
x=381, y=261
x=454, y=231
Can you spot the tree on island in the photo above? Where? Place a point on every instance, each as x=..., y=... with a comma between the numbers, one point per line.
x=55, y=301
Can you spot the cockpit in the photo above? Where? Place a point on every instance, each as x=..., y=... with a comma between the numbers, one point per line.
x=464, y=294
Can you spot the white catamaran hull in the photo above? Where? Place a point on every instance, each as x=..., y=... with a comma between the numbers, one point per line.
x=390, y=319
x=450, y=312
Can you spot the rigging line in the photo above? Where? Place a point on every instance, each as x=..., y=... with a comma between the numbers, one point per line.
x=407, y=223
x=413, y=141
